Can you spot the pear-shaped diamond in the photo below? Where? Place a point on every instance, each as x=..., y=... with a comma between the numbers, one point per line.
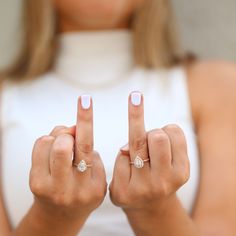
x=82, y=167
x=138, y=162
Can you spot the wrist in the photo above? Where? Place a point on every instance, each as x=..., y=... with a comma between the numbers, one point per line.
x=145, y=221
x=40, y=217
x=158, y=220
x=154, y=210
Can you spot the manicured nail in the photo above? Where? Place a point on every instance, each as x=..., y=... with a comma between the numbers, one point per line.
x=136, y=98
x=86, y=101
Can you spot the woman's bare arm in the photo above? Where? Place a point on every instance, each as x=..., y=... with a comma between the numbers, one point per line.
x=213, y=90
x=5, y=227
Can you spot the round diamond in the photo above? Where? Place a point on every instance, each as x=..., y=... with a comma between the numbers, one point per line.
x=82, y=167
x=138, y=162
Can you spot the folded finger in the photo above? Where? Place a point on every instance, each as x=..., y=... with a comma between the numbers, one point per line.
x=159, y=151
x=61, y=157
x=122, y=171
x=178, y=146
x=41, y=154
x=58, y=130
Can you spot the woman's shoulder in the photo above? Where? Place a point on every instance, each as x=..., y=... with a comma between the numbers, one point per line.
x=212, y=86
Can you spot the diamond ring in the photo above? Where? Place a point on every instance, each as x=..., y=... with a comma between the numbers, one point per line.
x=139, y=162
x=82, y=166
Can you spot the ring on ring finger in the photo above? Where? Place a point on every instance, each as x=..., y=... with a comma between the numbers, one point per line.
x=82, y=166
x=139, y=162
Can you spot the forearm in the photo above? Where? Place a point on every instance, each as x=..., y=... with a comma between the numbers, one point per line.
x=169, y=220
x=37, y=222
x=4, y=223
x=4, y=220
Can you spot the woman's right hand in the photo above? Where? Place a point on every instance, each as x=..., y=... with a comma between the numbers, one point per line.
x=60, y=189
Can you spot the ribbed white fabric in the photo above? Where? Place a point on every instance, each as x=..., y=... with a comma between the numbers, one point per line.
x=99, y=63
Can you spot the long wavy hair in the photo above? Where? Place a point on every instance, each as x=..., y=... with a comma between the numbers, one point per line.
x=155, y=38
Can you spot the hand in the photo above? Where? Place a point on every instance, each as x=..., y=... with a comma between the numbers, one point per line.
x=58, y=186
x=149, y=188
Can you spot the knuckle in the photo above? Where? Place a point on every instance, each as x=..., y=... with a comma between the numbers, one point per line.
x=159, y=137
x=57, y=129
x=41, y=141
x=85, y=147
x=177, y=134
x=40, y=144
x=139, y=143
x=61, y=149
x=36, y=186
x=175, y=130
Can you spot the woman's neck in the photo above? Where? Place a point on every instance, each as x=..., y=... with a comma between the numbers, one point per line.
x=67, y=25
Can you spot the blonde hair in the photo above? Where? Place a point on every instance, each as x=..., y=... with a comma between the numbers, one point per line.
x=155, y=38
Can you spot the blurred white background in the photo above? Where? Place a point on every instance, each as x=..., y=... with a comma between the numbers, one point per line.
x=207, y=27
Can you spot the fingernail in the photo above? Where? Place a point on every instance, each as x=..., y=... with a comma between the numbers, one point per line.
x=86, y=101
x=136, y=98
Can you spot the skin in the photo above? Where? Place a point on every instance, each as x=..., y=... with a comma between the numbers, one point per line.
x=213, y=100
x=77, y=15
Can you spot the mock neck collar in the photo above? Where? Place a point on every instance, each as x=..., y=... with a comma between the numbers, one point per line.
x=95, y=58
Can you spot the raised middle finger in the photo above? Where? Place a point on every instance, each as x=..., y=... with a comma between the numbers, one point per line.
x=84, y=131
x=137, y=134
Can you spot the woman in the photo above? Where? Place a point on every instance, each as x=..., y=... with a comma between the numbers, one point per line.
x=101, y=51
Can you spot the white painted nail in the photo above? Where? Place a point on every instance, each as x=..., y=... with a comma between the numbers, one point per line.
x=86, y=101
x=136, y=98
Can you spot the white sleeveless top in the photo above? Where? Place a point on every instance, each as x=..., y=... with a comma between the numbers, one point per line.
x=101, y=64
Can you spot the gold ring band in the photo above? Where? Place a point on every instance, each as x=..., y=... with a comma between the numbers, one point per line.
x=139, y=162
x=82, y=166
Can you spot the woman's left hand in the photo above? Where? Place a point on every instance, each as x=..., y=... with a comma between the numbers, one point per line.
x=151, y=188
